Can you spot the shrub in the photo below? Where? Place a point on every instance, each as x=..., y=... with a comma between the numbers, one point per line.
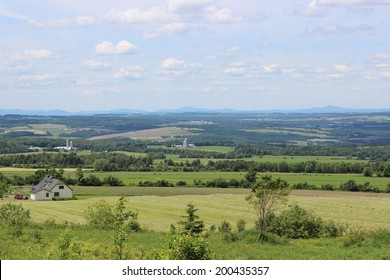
x=304, y=186
x=226, y=230
x=181, y=183
x=296, y=222
x=240, y=225
x=186, y=247
x=328, y=187
x=15, y=216
x=100, y=215
x=356, y=237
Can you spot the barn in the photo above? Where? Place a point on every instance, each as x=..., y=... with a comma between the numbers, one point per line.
x=50, y=188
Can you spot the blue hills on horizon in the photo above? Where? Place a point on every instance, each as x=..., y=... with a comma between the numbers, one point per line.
x=319, y=110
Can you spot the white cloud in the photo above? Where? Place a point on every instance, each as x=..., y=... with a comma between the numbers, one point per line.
x=96, y=65
x=129, y=72
x=233, y=50
x=335, y=28
x=193, y=11
x=174, y=67
x=385, y=74
x=36, y=77
x=172, y=63
x=123, y=47
x=59, y=23
x=155, y=14
x=188, y=6
x=33, y=55
x=221, y=15
x=352, y=2
x=342, y=67
x=321, y=7
x=235, y=71
x=167, y=30
x=335, y=75
x=268, y=69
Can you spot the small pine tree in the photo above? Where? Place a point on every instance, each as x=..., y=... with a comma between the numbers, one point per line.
x=191, y=224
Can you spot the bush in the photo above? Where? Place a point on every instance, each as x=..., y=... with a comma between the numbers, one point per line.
x=304, y=186
x=226, y=230
x=112, y=181
x=328, y=187
x=356, y=237
x=186, y=247
x=240, y=225
x=15, y=217
x=296, y=222
x=181, y=183
x=100, y=215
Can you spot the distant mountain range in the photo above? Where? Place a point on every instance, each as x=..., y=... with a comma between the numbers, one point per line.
x=324, y=110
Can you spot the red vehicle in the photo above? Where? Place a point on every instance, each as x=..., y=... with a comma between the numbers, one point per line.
x=20, y=196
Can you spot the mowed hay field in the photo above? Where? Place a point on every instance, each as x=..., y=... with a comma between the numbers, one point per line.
x=159, y=212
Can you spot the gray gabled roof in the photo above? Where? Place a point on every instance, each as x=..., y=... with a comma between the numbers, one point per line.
x=47, y=183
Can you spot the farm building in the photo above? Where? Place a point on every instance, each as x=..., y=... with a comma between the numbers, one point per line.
x=49, y=188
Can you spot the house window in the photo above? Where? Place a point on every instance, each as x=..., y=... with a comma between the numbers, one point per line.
x=56, y=194
x=47, y=194
x=61, y=187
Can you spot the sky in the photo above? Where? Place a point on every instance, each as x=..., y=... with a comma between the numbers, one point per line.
x=149, y=55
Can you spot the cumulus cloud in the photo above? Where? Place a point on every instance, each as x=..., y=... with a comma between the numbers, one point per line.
x=174, y=67
x=167, y=30
x=33, y=55
x=221, y=15
x=188, y=6
x=108, y=48
x=172, y=64
x=130, y=73
x=96, y=65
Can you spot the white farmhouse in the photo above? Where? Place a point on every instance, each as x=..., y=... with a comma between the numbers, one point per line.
x=49, y=188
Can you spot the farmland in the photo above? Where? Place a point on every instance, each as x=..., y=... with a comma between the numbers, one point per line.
x=141, y=159
x=160, y=207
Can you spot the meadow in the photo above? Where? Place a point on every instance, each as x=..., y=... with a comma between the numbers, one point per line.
x=160, y=207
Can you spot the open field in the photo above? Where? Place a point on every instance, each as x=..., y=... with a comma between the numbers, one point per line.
x=157, y=211
x=148, y=133
x=133, y=178
x=302, y=132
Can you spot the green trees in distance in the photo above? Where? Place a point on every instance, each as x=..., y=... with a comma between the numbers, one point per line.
x=267, y=192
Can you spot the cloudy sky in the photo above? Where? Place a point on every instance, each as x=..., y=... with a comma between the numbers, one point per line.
x=249, y=54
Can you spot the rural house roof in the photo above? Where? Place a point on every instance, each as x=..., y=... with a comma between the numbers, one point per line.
x=47, y=183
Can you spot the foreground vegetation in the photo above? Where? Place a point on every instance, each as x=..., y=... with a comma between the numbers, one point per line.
x=228, y=238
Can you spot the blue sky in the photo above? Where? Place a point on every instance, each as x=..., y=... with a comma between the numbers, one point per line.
x=102, y=55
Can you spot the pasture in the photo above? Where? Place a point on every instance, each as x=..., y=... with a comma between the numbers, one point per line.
x=160, y=208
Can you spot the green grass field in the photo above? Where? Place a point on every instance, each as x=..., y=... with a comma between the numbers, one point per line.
x=133, y=178
x=159, y=210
